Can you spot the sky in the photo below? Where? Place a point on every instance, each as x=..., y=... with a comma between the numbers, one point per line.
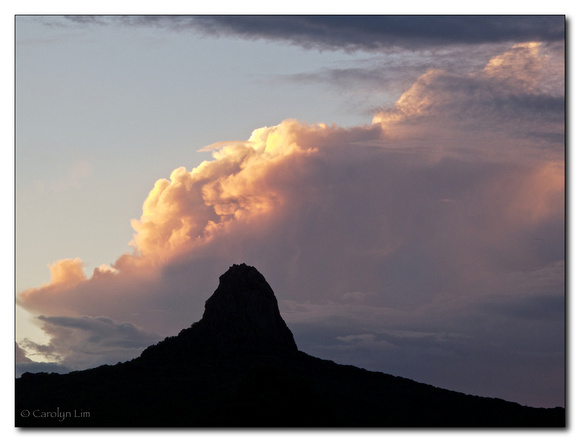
x=398, y=180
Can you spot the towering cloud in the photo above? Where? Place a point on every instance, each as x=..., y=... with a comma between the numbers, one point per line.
x=436, y=233
x=191, y=207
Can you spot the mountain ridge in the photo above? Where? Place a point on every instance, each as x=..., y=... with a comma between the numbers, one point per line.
x=239, y=366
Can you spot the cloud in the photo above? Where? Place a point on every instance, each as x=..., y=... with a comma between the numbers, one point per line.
x=367, y=33
x=20, y=355
x=66, y=272
x=519, y=68
x=81, y=342
x=365, y=337
x=25, y=364
x=517, y=95
x=409, y=235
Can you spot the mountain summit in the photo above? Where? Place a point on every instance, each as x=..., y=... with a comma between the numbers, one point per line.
x=239, y=367
x=241, y=316
x=243, y=311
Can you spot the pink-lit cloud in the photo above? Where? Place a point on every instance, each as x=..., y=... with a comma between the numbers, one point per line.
x=516, y=100
x=412, y=231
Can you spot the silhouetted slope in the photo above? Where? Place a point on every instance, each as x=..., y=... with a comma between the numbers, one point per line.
x=239, y=366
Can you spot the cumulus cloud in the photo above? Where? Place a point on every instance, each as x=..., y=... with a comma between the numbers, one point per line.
x=403, y=237
x=66, y=272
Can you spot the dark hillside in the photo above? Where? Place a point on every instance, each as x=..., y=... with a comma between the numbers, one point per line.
x=239, y=367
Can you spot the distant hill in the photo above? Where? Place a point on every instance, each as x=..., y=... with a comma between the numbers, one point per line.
x=239, y=367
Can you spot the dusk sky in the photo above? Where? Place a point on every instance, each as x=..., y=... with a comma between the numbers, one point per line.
x=398, y=180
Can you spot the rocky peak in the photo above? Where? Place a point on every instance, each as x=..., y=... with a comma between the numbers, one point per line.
x=243, y=311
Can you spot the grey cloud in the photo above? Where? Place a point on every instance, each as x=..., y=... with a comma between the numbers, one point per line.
x=370, y=32
x=87, y=19
x=24, y=364
x=20, y=355
x=476, y=98
x=535, y=308
x=105, y=331
x=32, y=348
x=358, y=32
x=530, y=106
x=82, y=342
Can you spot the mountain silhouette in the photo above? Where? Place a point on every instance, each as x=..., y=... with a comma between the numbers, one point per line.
x=239, y=366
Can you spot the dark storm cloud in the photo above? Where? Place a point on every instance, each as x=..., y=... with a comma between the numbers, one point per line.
x=378, y=32
x=361, y=32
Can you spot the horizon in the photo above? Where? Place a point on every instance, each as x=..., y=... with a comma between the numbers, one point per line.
x=400, y=185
